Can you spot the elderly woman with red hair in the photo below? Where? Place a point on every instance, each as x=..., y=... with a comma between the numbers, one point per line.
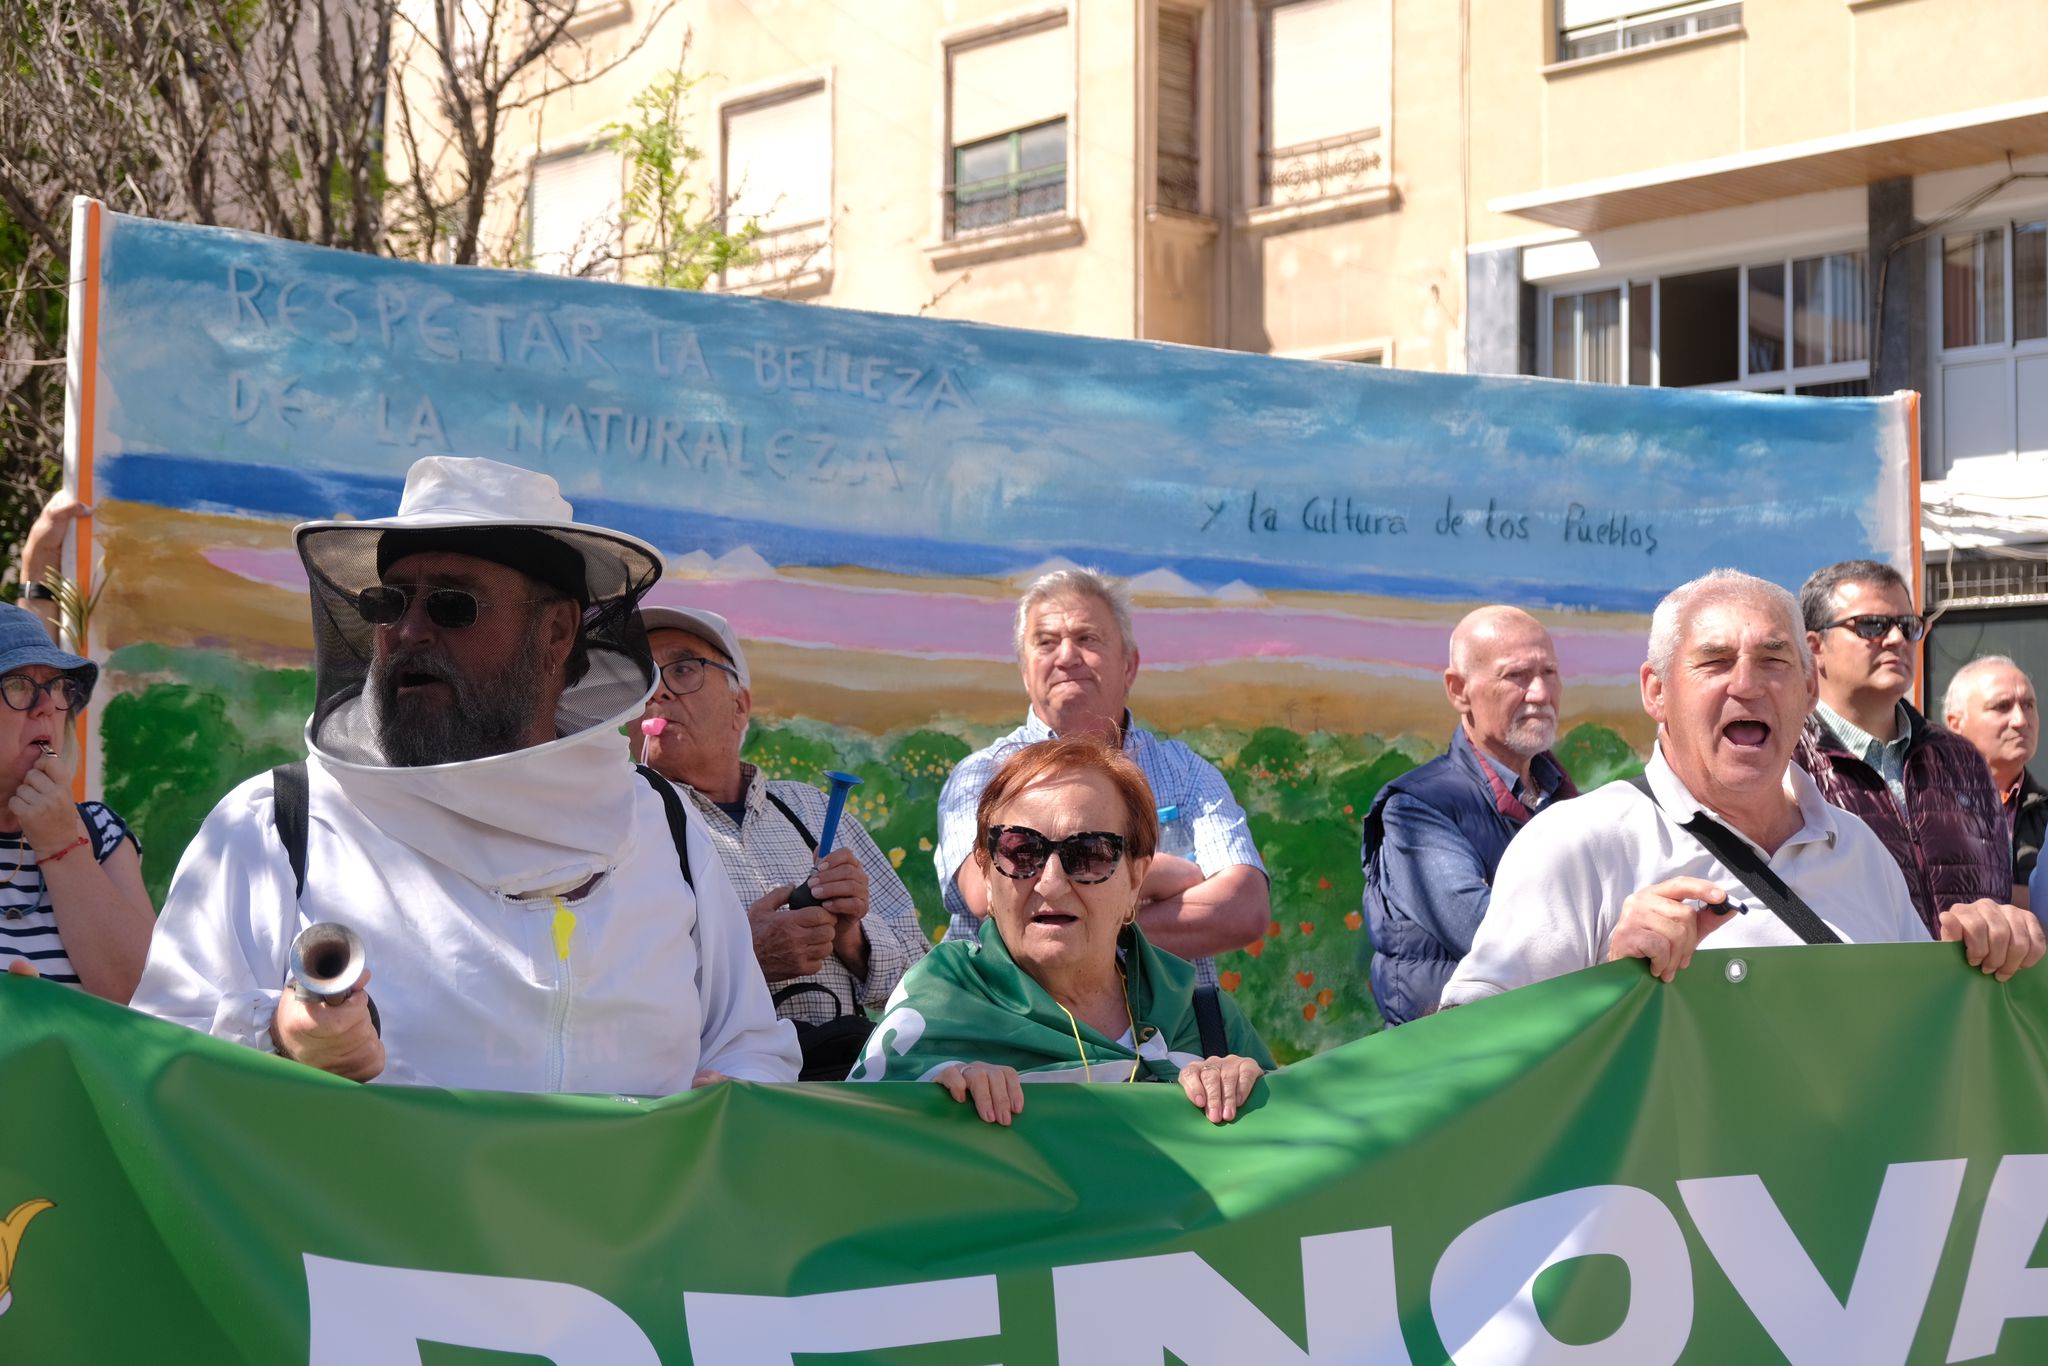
x=1061, y=985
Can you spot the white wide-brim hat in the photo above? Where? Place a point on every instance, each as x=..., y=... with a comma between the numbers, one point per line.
x=456, y=495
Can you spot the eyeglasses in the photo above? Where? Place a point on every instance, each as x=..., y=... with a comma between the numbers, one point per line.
x=684, y=676
x=1869, y=626
x=451, y=609
x=21, y=692
x=1020, y=852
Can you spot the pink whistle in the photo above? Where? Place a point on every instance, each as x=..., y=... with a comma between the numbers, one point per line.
x=654, y=725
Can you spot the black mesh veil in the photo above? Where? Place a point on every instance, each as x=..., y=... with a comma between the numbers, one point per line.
x=341, y=560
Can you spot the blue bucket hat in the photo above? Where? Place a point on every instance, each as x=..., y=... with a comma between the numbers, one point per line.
x=24, y=640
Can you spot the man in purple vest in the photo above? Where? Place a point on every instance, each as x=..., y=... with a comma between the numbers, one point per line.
x=1925, y=791
x=1435, y=834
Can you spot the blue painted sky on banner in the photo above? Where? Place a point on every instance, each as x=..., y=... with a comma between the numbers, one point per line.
x=249, y=375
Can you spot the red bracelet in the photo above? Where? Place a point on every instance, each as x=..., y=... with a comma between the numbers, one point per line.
x=65, y=850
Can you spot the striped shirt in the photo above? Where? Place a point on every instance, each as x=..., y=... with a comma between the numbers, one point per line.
x=28, y=925
x=1180, y=777
x=764, y=850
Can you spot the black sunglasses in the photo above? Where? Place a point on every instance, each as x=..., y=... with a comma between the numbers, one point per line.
x=451, y=609
x=21, y=692
x=684, y=676
x=1876, y=626
x=1020, y=852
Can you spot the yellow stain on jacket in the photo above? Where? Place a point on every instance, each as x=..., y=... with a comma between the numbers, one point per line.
x=564, y=927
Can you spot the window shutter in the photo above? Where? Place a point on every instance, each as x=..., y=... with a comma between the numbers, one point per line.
x=778, y=161
x=1010, y=82
x=573, y=209
x=1179, y=180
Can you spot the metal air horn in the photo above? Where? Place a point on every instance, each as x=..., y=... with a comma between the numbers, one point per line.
x=835, y=806
x=328, y=963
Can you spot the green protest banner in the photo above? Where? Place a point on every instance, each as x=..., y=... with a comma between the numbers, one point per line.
x=1828, y=1155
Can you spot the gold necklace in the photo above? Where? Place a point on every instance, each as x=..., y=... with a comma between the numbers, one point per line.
x=1087, y=1072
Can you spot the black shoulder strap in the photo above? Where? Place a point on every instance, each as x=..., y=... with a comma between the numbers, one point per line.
x=1735, y=852
x=783, y=807
x=678, y=823
x=1209, y=1016
x=290, y=800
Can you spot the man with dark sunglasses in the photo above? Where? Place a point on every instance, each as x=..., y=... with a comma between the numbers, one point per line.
x=1925, y=791
x=829, y=962
x=536, y=915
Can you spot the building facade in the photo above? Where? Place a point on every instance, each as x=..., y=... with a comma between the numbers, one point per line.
x=1192, y=171
x=1816, y=197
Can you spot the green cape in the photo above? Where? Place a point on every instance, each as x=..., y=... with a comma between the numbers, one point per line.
x=969, y=1001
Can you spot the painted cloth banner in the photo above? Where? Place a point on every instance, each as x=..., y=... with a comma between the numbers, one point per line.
x=862, y=495
x=1837, y=1156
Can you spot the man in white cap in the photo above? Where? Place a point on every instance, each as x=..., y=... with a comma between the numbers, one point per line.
x=535, y=915
x=827, y=962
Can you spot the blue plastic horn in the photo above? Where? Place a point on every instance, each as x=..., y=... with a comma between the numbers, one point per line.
x=835, y=807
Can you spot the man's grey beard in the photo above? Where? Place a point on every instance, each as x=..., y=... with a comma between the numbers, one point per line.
x=488, y=716
x=1532, y=736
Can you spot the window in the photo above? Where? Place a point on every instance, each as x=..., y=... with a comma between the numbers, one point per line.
x=572, y=214
x=1016, y=175
x=1588, y=28
x=778, y=176
x=1992, y=314
x=1325, y=98
x=1007, y=107
x=1787, y=326
x=1177, y=148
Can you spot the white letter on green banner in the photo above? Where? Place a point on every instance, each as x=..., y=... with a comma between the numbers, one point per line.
x=2001, y=1285
x=1138, y=1309
x=770, y=1330
x=365, y=1313
x=1764, y=1260
x=1483, y=1293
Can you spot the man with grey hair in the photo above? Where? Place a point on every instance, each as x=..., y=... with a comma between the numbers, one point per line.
x=1990, y=702
x=1630, y=871
x=1923, y=790
x=829, y=957
x=1206, y=891
x=1434, y=836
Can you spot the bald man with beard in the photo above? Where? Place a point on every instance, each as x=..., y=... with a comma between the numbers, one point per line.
x=1435, y=835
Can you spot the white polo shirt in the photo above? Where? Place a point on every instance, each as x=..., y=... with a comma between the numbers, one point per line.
x=1559, y=889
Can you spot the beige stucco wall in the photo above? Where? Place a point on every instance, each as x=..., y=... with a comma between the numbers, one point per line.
x=1389, y=276
x=1798, y=70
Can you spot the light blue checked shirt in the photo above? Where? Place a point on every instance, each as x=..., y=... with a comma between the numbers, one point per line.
x=1888, y=759
x=1179, y=777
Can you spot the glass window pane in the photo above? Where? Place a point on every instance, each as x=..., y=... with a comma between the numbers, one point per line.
x=1642, y=312
x=1809, y=312
x=1698, y=333
x=2030, y=281
x=1849, y=305
x=1841, y=388
x=988, y=160
x=1563, y=359
x=1600, y=317
x=1973, y=288
x=1766, y=319
x=1043, y=146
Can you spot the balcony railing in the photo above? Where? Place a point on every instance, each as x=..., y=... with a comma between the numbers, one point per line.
x=1322, y=169
x=992, y=203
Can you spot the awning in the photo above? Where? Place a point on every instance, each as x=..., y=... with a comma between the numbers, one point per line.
x=1943, y=143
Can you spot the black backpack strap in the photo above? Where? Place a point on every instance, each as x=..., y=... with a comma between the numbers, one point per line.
x=678, y=823
x=1209, y=1018
x=783, y=807
x=290, y=803
x=1736, y=854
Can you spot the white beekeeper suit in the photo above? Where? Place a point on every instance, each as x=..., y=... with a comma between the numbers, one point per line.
x=496, y=961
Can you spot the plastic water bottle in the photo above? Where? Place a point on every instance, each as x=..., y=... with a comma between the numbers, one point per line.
x=1176, y=835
